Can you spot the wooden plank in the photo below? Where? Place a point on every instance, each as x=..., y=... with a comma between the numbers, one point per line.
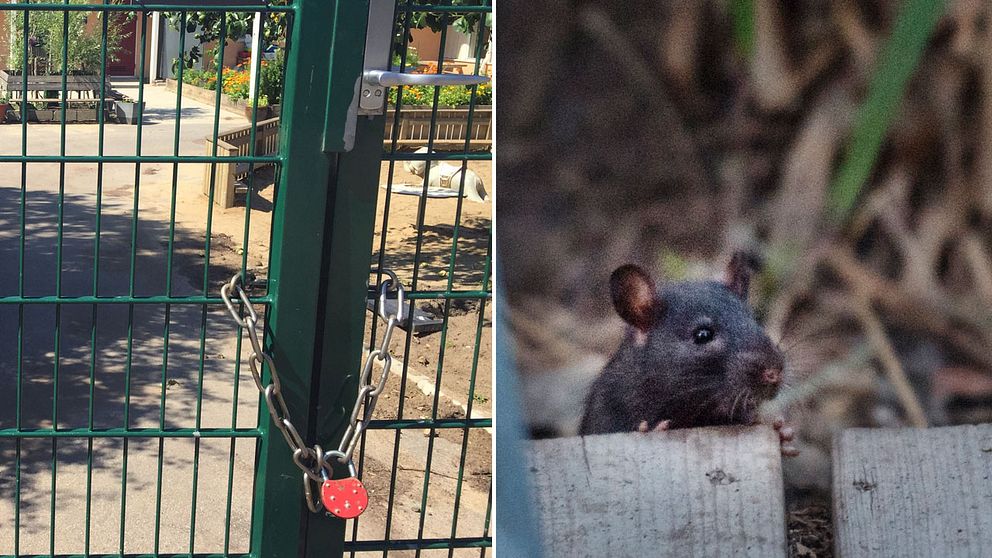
x=693, y=492
x=913, y=492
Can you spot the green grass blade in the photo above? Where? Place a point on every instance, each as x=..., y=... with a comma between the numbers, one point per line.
x=899, y=59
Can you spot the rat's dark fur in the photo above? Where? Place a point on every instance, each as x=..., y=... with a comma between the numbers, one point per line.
x=661, y=373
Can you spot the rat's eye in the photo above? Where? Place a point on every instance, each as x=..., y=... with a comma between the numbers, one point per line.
x=702, y=335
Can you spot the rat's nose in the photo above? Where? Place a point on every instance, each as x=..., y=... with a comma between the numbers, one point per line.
x=771, y=376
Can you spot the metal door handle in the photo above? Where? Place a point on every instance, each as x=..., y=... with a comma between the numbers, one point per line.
x=376, y=76
x=382, y=78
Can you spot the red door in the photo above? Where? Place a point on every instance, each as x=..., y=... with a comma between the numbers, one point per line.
x=125, y=64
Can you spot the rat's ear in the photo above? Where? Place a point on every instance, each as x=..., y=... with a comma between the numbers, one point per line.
x=738, y=275
x=635, y=297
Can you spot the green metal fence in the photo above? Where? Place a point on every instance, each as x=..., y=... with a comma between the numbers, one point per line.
x=126, y=428
x=450, y=282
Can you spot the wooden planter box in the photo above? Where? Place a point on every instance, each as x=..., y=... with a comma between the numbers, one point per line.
x=235, y=143
x=208, y=96
x=72, y=115
x=450, y=128
x=86, y=115
x=264, y=113
x=36, y=115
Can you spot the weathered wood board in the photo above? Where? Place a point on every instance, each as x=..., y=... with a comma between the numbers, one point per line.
x=695, y=492
x=913, y=492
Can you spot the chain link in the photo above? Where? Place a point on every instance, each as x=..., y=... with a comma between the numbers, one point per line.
x=368, y=391
x=306, y=458
x=314, y=462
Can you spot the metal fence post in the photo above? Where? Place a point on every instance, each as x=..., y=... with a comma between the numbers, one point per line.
x=349, y=226
x=341, y=322
x=280, y=517
x=319, y=280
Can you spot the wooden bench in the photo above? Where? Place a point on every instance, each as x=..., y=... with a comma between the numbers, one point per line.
x=236, y=143
x=38, y=87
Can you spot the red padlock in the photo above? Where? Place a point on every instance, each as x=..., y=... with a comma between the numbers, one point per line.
x=345, y=498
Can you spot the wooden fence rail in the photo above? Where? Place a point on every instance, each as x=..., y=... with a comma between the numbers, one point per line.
x=237, y=142
x=697, y=492
x=719, y=492
x=451, y=126
x=913, y=492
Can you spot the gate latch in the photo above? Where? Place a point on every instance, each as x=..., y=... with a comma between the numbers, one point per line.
x=377, y=74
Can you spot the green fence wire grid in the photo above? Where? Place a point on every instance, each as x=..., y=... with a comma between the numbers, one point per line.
x=125, y=431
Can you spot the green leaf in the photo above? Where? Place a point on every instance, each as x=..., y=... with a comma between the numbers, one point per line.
x=742, y=18
x=900, y=57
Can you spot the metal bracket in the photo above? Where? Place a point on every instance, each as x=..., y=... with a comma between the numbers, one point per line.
x=372, y=98
x=377, y=72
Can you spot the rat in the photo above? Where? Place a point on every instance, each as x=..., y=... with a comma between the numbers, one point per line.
x=693, y=355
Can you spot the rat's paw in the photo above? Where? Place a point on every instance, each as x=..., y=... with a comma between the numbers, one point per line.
x=786, y=434
x=660, y=427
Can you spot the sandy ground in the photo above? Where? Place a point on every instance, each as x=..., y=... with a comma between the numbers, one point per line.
x=177, y=379
x=431, y=361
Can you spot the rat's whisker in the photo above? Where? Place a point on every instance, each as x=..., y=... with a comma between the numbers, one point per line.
x=733, y=408
x=794, y=335
x=808, y=339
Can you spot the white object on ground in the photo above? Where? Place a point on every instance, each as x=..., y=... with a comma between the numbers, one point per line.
x=415, y=190
x=445, y=176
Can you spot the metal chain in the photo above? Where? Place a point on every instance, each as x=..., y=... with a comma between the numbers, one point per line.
x=314, y=462
x=368, y=392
